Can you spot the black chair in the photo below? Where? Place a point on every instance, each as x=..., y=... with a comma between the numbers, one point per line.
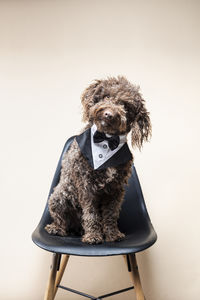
x=134, y=221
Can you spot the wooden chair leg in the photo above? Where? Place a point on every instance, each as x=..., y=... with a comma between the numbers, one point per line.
x=55, y=275
x=60, y=273
x=136, y=277
x=49, y=293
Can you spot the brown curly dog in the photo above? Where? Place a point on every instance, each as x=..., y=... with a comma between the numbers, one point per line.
x=88, y=197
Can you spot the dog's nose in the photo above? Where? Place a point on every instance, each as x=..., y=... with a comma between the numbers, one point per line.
x=108, y=114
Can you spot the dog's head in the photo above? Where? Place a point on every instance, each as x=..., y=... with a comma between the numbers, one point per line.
x=116, y=107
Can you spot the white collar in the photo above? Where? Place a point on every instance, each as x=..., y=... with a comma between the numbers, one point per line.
x=101, y=151
x=123, y=137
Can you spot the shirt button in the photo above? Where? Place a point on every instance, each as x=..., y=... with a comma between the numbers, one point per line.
x=105, y=146
x=100, y=155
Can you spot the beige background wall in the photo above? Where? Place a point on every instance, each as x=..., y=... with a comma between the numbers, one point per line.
x=49, y=52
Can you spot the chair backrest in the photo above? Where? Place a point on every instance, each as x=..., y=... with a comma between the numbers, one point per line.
x=133, y=216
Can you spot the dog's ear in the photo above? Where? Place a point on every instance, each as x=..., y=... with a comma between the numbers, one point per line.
x=91, y=96
x=141, y=126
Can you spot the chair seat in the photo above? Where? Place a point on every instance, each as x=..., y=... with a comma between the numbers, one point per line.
x=72, y=245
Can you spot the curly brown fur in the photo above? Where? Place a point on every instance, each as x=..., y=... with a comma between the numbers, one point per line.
x=88, y=201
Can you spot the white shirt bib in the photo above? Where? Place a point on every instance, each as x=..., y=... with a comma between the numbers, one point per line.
x=101, y=151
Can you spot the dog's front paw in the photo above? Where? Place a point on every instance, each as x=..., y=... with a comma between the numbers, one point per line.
x=55, y=230
x=113, y=236
x=92, y=238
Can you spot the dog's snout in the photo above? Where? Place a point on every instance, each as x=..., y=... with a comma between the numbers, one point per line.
x=108, y=114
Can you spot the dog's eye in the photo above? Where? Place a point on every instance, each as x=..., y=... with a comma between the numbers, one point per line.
x=107, y=96
x=96, y=99
x=124, y=106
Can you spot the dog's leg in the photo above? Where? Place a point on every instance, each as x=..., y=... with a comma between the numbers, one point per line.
x=111, y=205
x=57, y=209
x=57, y=227
x=91, y=220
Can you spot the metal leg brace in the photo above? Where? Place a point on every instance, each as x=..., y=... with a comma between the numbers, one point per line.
x=92, y=297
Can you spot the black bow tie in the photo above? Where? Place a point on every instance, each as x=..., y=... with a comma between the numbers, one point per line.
x=113, y=141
